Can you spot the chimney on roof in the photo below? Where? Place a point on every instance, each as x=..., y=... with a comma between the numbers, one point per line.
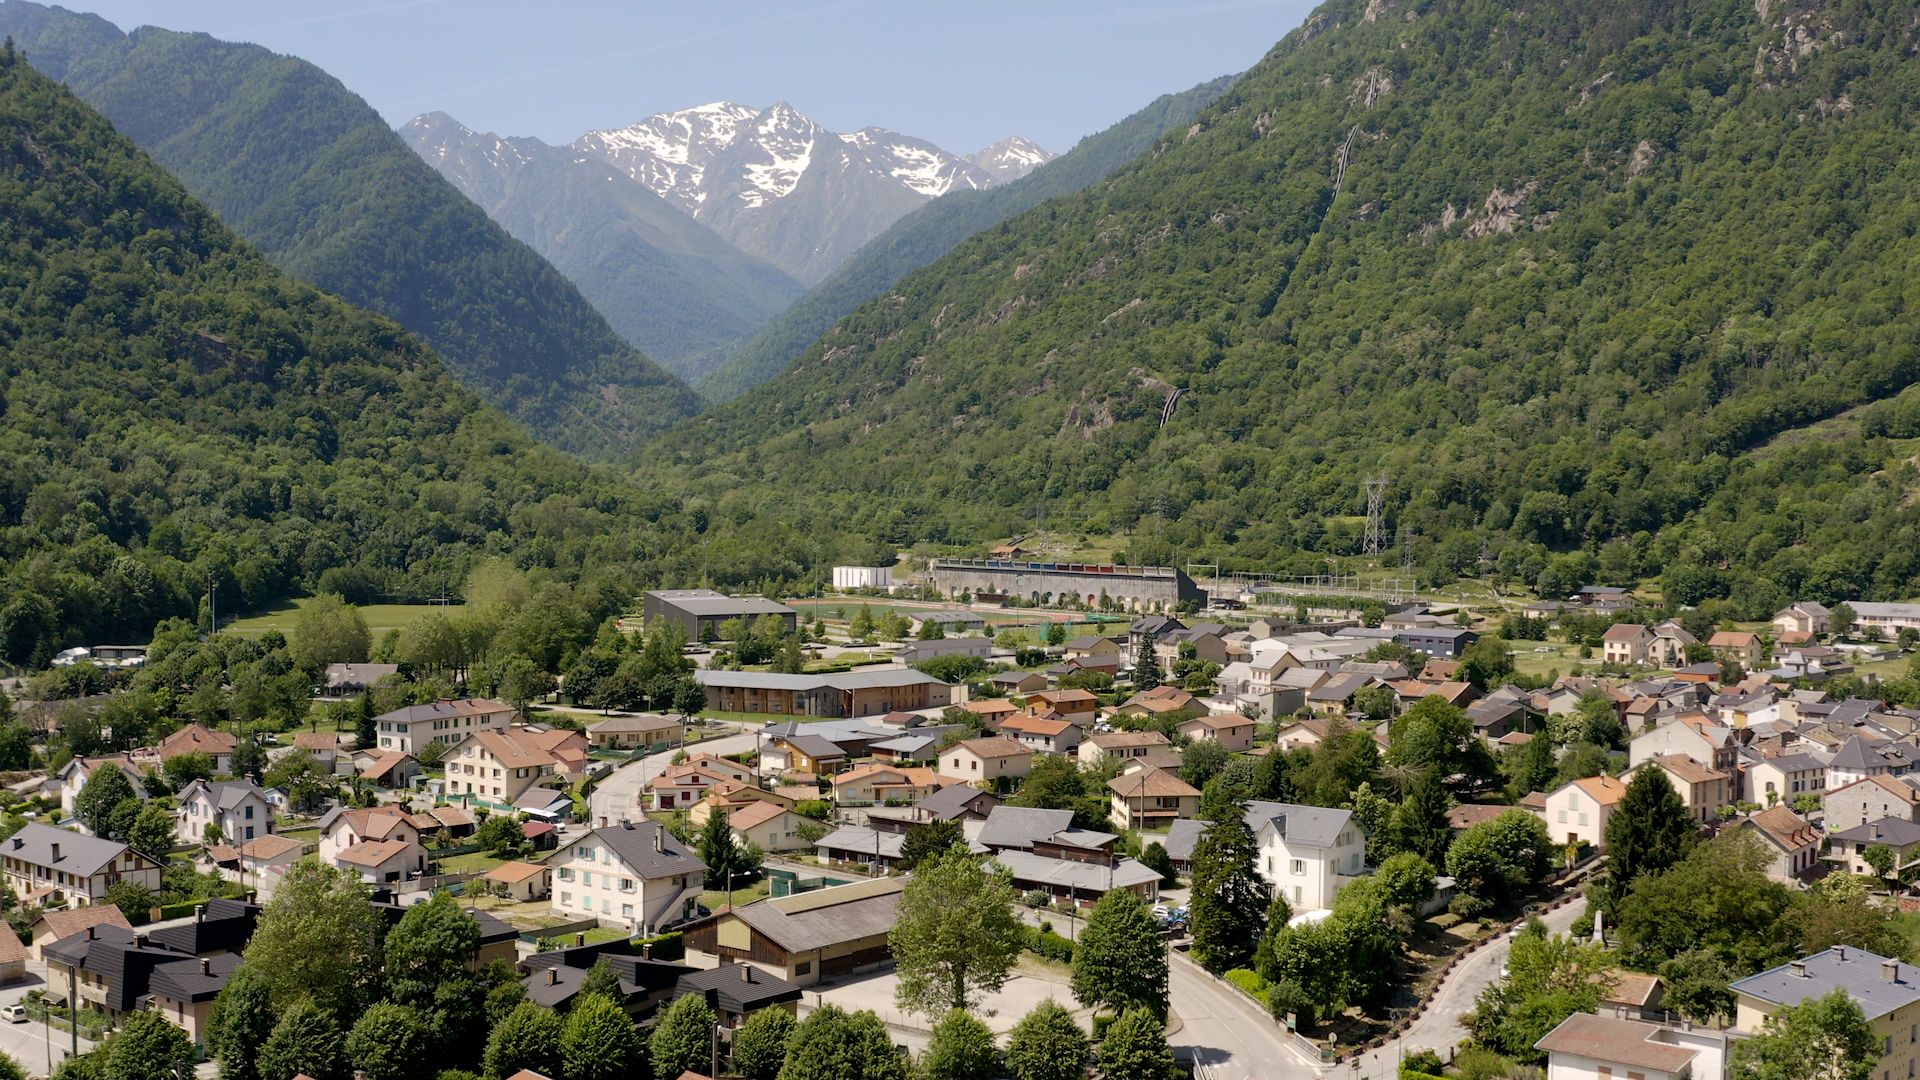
x=1890, y=970
x=646, y=952
x=1798, y=969
x=1875, y=827
x=1841, y=952
x=139, y=941
x=746, y=973
x=579, y=939
x=659, y=841
x=206, y=966
x=553, y=976
x=56, y=853
x=199, y=914
x=603, y=821
x=627, y=825
x=89, y=933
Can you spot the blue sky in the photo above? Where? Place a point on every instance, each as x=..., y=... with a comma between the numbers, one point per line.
x=960, y=74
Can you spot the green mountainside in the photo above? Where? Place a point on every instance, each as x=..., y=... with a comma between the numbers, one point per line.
x=937, y=228
x=1601, y=288
x=665, y=282
x=310, y=174
x=174, y=411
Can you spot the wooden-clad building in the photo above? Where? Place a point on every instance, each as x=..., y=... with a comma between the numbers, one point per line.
x=808, y=936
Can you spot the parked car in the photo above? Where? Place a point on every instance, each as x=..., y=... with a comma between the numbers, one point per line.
x=14, y=1014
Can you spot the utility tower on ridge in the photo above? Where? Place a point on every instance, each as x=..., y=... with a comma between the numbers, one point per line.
x=1375, y=540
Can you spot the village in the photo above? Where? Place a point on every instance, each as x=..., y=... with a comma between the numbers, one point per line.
x=1341, y=837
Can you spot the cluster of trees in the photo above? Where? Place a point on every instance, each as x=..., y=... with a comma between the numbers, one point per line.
x=622, y=671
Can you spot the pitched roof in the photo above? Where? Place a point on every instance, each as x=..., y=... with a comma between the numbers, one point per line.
x=739, y=987
x=1151, y=783
x=1631, y=988
x=1034, y=725
x=1688, y=769
x=193, y=978
x=1894, y=832
x=196, y=739
x=1732, y=639
x=512, y=750
x=1020, y=826
x=384, y=764
x=372, y=853
x=444, y=710
x=989, y=748
x=950, y=802
x=1906, y=792
x=66, y=923
x=639, y=722
x=756, y=813
x=317, y=740
x=826, y=917
x=511, y=872
x=1854, y=970
x=1603, y=789
x=1856, y=754
x=648, y=848
x=1623, y=1042
x=1787, y=828
x=78, y=854
x=1624, y=632
x=1123, y=740
x=270, y=846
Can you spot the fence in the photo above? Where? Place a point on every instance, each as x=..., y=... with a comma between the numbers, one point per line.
x=560, y=931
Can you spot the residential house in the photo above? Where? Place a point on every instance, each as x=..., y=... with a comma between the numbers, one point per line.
x=679, y=787
x=1579, y=811
x=525, y=882
x=1668, y=648
x=73, y=777
x=262, y=863
x=58, y=924
x=1150, y=798
x=805, y=937
x=1588, y=1046
x=1848, y=847
x=769, y=826
x=991, y=711
x=1782, y=779
x=1792, y=842
x=735, y=992
x=730, y=797
x=982, y=761
x=1094, y=648
x=1739, y=647
x=1626, y=644
x=411, y=728
x=1307, y=853
x=1871, y=799
x=112, y=968
x=868, y=785
x=220, y=927
x=1884, y=619
x=198, y=739
x=392, y=770
x=237, y=808
x=1301, y=733
x=324, y=746
x=494, y=768
x=1157, y=701
x=553, y=979
x=1805, y=617
x=1079, y=706
x=379, y=843
x=49, y=867
x=13, y=959
x=962, y=802
x=1146, y=632
x=1857, y=759
x=1231, y=730
x=184, y=990
x=1703, y=788
x=632, y=875
x=641, y=731
x=1886, y=990
x=1017, y=682
x=1122, y=744
x=1334, y=696
x=1042, y=735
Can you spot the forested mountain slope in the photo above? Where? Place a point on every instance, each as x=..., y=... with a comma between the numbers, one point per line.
x=935, y=229
x=665, y=282
x=310, y=174
x=1573, y=275
x=174, y=411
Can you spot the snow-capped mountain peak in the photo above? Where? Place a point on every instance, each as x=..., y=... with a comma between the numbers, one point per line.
x=1010, y=159
x=785, y=188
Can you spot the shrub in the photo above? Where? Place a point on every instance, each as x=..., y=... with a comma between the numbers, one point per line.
x=1048, y=945
x=1467, y=906
x=1035, y=898
x=1287, y=996
x=668, y=946
x=1250, y=981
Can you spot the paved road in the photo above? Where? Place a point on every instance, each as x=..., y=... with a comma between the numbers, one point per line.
x=1439, y=1027
x=28, y=1043
x=619, y=795
x=1226, y=1036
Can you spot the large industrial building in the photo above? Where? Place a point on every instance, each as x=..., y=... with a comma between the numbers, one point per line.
x=700, y=612
x=1134, y=588
x=870, y=692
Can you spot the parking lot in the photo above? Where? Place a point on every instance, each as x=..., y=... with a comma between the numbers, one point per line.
x=1033, y=983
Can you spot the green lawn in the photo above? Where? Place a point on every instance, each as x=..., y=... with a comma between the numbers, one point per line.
x=1907, y=925
x=380, y=618
x=473, y=862
x=742, y=895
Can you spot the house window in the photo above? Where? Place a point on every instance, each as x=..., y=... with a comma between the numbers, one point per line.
x=1298, y=868
x=804, y=967
x=566, y=898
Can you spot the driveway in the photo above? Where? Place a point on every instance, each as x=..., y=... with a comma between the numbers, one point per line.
x=29, y=1043
x=621, y=794
x=1439, y=1027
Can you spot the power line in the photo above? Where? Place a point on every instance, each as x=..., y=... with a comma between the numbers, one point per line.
x=1376, y=536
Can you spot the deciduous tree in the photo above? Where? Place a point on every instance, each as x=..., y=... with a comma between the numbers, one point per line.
x=961, y=1048
x=955, y=936
x=1135, y=1048
x=1120, y=960
x=1047, y=1045
x=148, y=1047
x=682, y=1038
x=529, y=1038
x=760, y=1046
x=599, y=1041
x=389, y=1042
x=315, y=939
x=1826, y=1037
x=833, y=1044
x=306, y=1040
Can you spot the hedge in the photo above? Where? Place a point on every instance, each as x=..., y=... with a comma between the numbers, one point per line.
x=668, y=946
x=1048, y=945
